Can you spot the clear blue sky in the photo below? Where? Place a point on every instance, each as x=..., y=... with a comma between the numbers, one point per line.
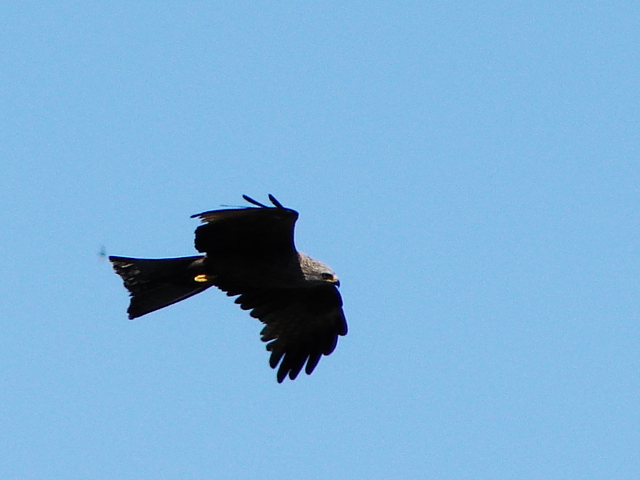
x=470, y=170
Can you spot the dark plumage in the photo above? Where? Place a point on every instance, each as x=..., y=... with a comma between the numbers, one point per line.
x=250, y=253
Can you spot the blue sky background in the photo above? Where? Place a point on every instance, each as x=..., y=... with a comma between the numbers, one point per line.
x=470, y=170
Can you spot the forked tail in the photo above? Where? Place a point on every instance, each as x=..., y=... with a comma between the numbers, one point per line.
x=157, y=283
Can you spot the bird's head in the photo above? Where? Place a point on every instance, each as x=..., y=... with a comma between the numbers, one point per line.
x=316, y=272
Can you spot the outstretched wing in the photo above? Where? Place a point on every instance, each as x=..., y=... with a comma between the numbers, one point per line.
x=251, y=254
x=251, y=231
x=301, y=324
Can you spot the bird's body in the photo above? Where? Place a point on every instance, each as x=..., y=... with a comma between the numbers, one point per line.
x=250, y=253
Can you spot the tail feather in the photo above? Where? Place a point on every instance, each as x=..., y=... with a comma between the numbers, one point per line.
x=158, y=283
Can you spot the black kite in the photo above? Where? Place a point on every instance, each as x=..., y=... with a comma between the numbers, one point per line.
x=250, y=253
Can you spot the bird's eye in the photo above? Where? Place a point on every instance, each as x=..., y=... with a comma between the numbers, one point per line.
x=327, y=276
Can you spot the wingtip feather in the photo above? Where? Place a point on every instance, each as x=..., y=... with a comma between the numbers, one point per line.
x=254, y=202
x=275, y=201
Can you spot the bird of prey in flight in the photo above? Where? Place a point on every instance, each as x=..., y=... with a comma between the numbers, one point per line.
x=249, y=252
